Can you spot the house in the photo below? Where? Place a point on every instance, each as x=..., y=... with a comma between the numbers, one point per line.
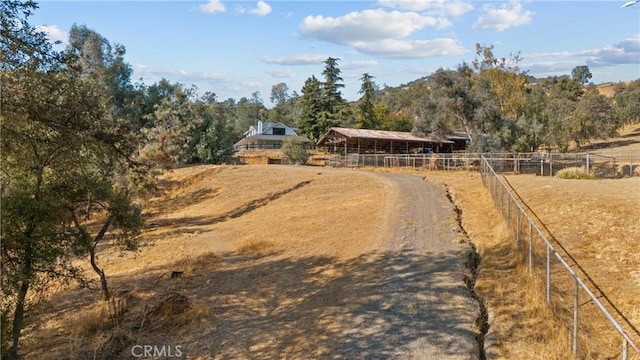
x=364, y=141
x=268, y=135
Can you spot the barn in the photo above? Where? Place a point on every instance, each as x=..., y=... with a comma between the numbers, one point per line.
x=364, y=141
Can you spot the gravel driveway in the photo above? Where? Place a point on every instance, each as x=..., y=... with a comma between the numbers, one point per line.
x=424, y=293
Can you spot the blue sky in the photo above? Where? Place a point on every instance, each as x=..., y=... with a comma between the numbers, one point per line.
x=235, y=48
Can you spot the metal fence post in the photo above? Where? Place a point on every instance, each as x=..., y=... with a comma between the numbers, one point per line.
x=587, y=163
x=509, y=209
x=576, y=293
x=548, y=274
x=502, y=200
x=518, y=226
x=530, y=246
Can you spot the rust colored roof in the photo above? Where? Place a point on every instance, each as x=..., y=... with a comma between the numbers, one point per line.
x=381, y=135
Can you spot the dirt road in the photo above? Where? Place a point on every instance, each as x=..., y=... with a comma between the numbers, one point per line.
x=424, y=286
x=403, y=298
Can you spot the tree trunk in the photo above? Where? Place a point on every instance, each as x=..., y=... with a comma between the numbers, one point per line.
x=18, y=317
x=92, y=257
x=100, y=272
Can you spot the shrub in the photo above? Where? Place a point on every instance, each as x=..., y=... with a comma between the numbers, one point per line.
x=294, y=152
x=575, y=173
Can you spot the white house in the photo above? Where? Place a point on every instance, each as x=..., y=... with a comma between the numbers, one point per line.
x=267, y=135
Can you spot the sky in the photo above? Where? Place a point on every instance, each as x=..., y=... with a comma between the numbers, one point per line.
x=237, y=48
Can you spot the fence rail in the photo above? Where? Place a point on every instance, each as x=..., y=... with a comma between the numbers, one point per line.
x=563, y=279
x=539, y=163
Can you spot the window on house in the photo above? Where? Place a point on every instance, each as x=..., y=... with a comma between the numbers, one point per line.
x=278, y=131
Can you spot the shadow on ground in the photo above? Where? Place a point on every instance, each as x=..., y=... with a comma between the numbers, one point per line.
x=376, y=306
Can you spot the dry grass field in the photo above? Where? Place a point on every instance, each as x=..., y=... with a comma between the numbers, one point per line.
x=292, y=250
x=254, y=240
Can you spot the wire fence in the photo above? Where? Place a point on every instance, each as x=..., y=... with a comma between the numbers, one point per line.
x=437, y=161
x=598, y=329
x=603, y=165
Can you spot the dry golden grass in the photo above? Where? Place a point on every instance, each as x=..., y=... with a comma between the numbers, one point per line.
x=578, y=173
x=257, y=248
x=521, y=324
x=598, y=222
x=225, y=230
x=222, y=228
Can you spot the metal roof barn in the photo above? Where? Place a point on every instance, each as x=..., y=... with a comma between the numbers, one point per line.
x=364, y=141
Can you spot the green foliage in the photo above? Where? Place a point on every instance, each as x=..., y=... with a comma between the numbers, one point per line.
x=575, y=173
x=294, y=152
x=366, y=114
x=67, y=156
x=311, y=106
x=212, y=141
x=627, y=102
x=322, y=105
x=581, y=74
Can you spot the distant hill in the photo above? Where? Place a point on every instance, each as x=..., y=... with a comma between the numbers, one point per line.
x=607, y=89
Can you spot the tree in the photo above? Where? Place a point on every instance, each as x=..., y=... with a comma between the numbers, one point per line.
x=171, y=128
x=581, y=74
x=294, y=152
x=310, y=104
x=65, y=160
x=366, y=108
x=279, y=94
x=247, y=112
x=213, y=142
x=456, y=104
x=594, y=117
x=627, y=102
x=392, y=121
x=332, y=105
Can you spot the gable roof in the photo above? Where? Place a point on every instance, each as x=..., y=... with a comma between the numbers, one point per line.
x=377, y=135
x=260, y=128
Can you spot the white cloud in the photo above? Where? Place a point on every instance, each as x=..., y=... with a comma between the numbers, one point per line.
x=436, y=7
x=367, y=25
x=399, y=49
x=304, y=59
x=503, y=17
x=281, y=73
x=382, y=33
x=623, y=52
x=54, y=33
x=626, y=51
x=183, y=76
x=358, y=64
x=225, y=86
x=213, y=6
x=261, y=9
